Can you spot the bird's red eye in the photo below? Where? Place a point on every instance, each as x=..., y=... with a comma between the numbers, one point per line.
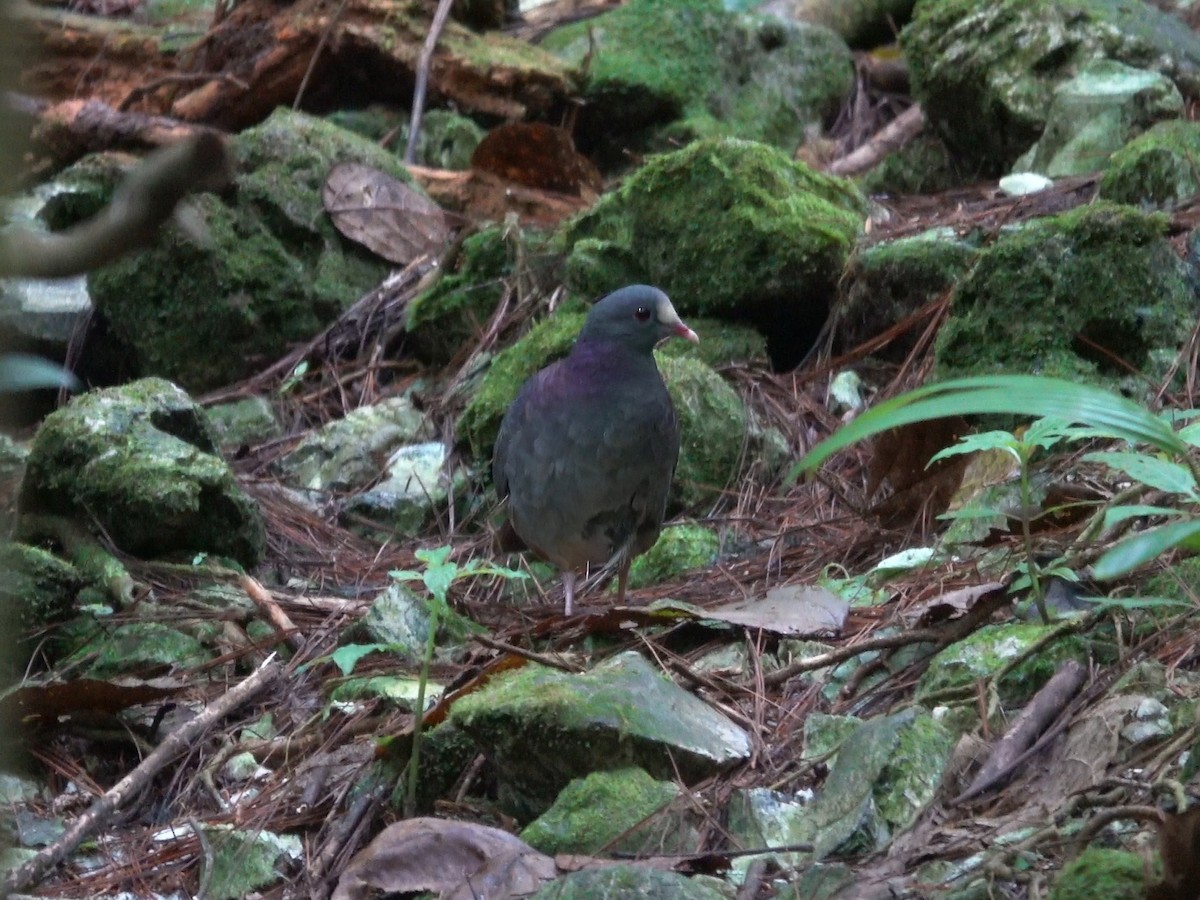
x=642, y=314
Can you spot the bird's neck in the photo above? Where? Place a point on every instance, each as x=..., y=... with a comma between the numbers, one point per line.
x=610, y=353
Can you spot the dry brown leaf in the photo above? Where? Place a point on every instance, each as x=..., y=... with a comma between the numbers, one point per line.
x=385, y=215
x=792, y=609
x=537, y=156
x=459, y=860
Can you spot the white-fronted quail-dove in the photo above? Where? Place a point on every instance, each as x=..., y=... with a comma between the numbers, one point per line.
x=586, y=452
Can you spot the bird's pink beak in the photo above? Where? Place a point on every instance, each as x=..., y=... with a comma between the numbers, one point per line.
x=686, y=333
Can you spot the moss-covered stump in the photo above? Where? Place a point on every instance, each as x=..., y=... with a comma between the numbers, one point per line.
x=1158, y=167
x=659, y=71
x=1079, y=295
x=887, y=282
x=543, y=728
x=985, y=70
x=728, y=228
x=604, y=812
x=141, y=462
x=206, y=307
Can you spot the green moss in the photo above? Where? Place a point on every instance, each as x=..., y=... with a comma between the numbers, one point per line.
x=591, y=813
x=679, y=548
x=457, y=308
x=713, y=425
x=887, y=282
x=547, y=341
x=1041, y=296
x=37, y=587
x=987, y=651
x=654, y=55
x=141, y=460
x=141, y=648
x=922, y=166
x=1111, y=874
x=723, y=226
x=202, y=313
x=721, y=343
x=1158, y=167
x=663, y=72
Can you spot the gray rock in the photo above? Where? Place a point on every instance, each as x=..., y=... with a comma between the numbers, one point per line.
x=1095, y=113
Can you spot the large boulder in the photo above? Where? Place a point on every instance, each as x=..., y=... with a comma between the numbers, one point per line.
x=728, y=228
x=266, y=268
x=141, y=462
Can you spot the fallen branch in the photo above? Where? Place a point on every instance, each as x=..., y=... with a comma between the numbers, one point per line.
x=1045, y=706
x=140, y=206
x=892, y=136
x=176, y=743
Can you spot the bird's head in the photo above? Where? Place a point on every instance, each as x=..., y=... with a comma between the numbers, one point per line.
x=639, y=316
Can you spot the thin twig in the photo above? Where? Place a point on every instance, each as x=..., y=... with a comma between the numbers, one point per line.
x=423, y=65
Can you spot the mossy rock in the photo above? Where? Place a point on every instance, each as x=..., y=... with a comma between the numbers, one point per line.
x=985, y=72
x=1158, y=167
x=922, y=166
x=887, y=282
x=678, y=549
x=36, y=587
x=266, y=270
x=664, y=71
x=984, y=653
x=446, y=141
x=728, y=228
x=1045, y=296
x=141, y=462
x=721, y=344
x=713, y=425
x=1097, y=872
x=593, y=815
x=441, y=320
x=141, y=648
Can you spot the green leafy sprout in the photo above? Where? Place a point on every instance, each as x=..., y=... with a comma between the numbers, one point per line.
x=1068, y=411
x=439, y=573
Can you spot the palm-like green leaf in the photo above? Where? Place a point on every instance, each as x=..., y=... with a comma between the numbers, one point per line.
x=1029, y=395
x=1142, y=548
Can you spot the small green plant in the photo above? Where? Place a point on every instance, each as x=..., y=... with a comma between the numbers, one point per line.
x=439, y=573
x=1023, y=446
x=1069, y=412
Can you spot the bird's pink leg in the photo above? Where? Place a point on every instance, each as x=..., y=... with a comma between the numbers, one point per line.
x=569, y=587
x=622, y=578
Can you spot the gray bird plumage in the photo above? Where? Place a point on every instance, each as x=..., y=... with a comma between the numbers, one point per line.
x=586, y=453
